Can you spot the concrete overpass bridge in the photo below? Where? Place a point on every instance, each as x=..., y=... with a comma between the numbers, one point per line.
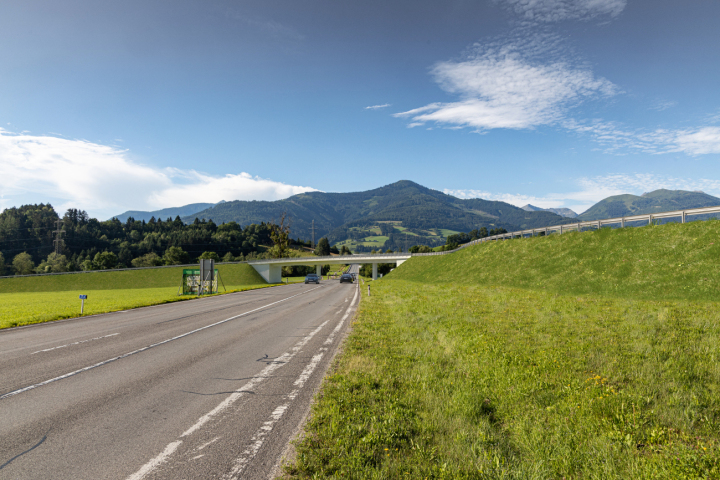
x=271, y=269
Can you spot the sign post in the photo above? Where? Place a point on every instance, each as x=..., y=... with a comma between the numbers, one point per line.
x=82, y=303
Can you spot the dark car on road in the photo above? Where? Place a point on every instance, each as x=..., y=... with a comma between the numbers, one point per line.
x=312, y=277
x=346, y=277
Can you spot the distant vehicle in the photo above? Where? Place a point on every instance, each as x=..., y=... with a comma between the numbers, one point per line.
x=312, y=277
x=346, y=277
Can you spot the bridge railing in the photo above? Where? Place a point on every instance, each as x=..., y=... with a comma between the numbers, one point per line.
x=355, y=258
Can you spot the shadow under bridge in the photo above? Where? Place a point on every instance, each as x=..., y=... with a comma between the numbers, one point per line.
x=271, y=269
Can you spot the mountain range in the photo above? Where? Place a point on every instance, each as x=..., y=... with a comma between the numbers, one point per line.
x=563, y=212
x=411, y=206
x=172, y=212
x=652, y=202
x=406, y=202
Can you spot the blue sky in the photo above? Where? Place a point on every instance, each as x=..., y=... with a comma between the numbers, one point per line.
x=111, y=106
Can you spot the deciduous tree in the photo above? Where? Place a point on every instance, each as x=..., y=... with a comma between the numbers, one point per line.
x=23, y=264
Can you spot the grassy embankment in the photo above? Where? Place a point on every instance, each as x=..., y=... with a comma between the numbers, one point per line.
x=27, y=300
x=590, y=355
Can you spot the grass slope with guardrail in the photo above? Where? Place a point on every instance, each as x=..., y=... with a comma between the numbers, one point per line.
x=671, y=261
x=36, y=299
x=461, y=374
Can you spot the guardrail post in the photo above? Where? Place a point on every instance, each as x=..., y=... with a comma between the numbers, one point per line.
x=622, y=222
x=598, y=224
x=561, y=229
x=683, y=216
x=649, y=219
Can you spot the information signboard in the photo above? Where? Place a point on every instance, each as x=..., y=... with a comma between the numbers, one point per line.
x=191, y=282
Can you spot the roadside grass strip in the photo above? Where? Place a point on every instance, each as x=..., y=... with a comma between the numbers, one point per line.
x=18, y=309
x=29, y=300
x=448, y=381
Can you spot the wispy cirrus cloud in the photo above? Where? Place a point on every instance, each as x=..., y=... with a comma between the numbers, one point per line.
x=516, y=83
x=105, y=180
x=590, y=190
x=616, y=138
x=546, y=11
x=376, y=107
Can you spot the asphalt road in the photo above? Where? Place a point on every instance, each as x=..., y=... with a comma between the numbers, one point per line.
x=203, y=389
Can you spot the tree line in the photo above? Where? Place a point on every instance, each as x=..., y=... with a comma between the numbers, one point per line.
x=27, y=235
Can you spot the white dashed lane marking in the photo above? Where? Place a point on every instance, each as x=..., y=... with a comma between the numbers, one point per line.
x=75, y=343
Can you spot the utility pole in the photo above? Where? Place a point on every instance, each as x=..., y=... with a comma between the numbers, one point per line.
x=58, y=232
x=312, y=244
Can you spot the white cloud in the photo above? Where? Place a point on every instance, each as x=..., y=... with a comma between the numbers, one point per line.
x=701, y=141
x=517, y=84
x=589, y=191
x=375, y=107
x=104, y=180
x=557, y=10
x=616, y=138
x=664, y=105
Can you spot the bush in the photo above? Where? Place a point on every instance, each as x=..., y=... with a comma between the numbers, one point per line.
x=209, y=256
x=105, y=260
x=151, y=259
x=54, y=264
x=175, y=256
x=23, y=264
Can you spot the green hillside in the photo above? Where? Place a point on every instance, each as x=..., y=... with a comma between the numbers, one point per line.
x=232, y=275
x=674, y=260
x=653, y=202
x=415, y=206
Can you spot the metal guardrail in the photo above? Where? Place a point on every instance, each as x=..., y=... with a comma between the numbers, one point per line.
x=577, y=227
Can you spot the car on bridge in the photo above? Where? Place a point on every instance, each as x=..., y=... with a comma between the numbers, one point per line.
x=312, y=277
x=346, y=277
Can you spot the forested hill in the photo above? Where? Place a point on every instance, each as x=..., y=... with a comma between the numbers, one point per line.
x=405, y=201
x=654, y=202
x=26, y=241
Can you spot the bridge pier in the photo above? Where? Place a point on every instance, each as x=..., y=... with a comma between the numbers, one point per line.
x=318, y=270
x=374, y=271
x=272, y=273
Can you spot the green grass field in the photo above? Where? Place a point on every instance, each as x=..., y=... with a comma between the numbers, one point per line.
x=512, y=360
x=27, y=300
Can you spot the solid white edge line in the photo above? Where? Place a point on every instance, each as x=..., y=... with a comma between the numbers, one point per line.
x=257, y=440
x=100, y=364
x=155, y=462
x=232, y=398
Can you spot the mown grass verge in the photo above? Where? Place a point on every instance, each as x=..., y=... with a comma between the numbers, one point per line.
x=473, y=380
x=29, y=300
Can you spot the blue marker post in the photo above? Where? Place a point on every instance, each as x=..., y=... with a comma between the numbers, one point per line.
x=82, y=304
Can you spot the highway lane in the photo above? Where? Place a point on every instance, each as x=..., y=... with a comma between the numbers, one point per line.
x=210, y=388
